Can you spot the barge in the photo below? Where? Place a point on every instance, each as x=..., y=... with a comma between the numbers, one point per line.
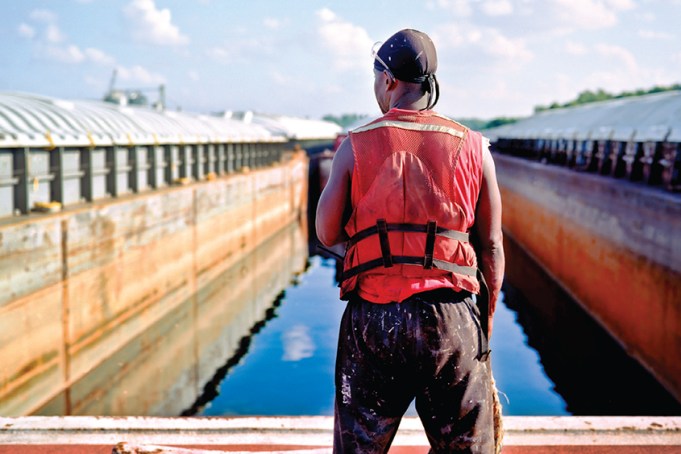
x=154, y=244
x=592, y=193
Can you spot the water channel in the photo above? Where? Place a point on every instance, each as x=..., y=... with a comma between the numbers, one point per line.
x=260, y=339
x=549, y=357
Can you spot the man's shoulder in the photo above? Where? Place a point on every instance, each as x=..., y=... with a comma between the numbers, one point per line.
x=451, y=120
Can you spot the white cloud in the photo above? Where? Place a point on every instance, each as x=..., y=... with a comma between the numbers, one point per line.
x=655, y=35
x=153, y=25
x=497, y=7
x=585, y=13
x=99, y=57
x=560, y=87
x=281, y=79
x=272, y=23
x=220, y=54
x=574, y=48
x=618, y=53
x=50, y=34
x=489, y=41
x=577, y=14
x=461, y=8
x=620, y=5
x=326, y=15
x=627, y=74
x=496, y=44
x=26, y=30
x=53, y=34
x=449, y=37
x=349, y=44
x=51, y=43
x=95, y=82
x=68, y=54
x=194, y=75
x=139, y=74
x=298, y=343
x=72, y=54
x=499, y=90
x=333, y=89
x=43, y=15
x=612, y=81
x=235, y=50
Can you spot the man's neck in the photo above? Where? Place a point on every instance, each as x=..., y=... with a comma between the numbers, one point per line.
x=410, y=100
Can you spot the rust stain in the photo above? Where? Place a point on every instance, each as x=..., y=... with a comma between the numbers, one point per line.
x=64, y=356
x=118, y=273
x=635, y=299
x=33, y=367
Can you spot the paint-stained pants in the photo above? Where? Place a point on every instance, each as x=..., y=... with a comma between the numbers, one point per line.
x=424, y=348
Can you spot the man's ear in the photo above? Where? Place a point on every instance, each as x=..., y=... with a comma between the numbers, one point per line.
x=389, y=81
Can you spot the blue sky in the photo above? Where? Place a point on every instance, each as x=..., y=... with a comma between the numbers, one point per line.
x=310, y=57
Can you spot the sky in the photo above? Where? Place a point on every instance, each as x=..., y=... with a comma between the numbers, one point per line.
x=309, y=58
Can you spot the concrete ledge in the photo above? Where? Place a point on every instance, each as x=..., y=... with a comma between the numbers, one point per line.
x=315, y=432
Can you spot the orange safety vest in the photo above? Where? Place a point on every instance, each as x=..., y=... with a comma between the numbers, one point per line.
x=415, y=185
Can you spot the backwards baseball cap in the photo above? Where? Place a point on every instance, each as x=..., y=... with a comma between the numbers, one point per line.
x=409, y=55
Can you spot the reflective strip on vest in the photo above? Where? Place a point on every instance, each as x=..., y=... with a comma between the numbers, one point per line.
x=409, y=260
x=410, y=126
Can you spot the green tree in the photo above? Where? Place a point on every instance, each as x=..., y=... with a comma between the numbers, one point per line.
x=344, y=120
x=589, y=96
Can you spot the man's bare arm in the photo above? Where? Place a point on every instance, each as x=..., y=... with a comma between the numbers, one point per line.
x=488, y=227
x=334, y=200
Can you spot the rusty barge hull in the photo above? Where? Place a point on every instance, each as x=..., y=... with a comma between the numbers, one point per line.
x=130, y=291
x=613, y=245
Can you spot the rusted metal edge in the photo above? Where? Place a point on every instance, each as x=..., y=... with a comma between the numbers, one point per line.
x=316, y=431
x=128, y=448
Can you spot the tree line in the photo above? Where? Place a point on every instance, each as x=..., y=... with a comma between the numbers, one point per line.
x=588, y=96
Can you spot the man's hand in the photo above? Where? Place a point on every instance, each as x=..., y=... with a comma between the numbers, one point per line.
x=488, y=228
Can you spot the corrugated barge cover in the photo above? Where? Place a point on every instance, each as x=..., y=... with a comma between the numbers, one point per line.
x=37, y=121
x=655, y=117
x=297, y=128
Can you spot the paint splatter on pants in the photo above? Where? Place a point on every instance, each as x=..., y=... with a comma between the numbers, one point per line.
x=424, y=348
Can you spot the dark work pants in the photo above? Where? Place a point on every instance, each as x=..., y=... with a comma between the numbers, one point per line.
x=424, y=348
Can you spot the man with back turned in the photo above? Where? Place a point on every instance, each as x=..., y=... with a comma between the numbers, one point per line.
x=406, y=193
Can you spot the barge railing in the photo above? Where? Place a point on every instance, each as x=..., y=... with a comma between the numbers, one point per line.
x=56, y=153
x=636, y=139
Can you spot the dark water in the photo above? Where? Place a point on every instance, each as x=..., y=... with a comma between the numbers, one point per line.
x=549, y=357
x=288, y=369
x=589, y=368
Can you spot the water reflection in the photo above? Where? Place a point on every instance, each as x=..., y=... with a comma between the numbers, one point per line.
x=171, y=366
x=524, y=387
x=591, y=370
x=289, y=369
x=290, y=366
x=549, y=357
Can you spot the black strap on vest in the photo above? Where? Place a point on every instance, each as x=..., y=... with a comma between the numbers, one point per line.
x=406, y=227
x=408, y=260
x=382, y=228
x=431, y=227
x=427, y=261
